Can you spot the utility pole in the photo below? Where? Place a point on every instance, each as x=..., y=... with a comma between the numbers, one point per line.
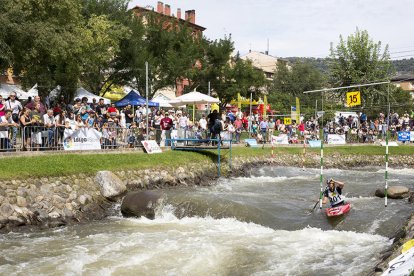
x=208, y=105
x=146, y=94
x=250, y=115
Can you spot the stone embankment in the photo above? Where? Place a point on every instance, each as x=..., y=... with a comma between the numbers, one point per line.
x=56, y=201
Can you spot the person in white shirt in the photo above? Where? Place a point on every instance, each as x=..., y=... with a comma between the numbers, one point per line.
x=49, y=122
x=183, y=121
x=79, y=123
x=16, y=107
x=239, y=114
x=6, y=121
x=203, y=122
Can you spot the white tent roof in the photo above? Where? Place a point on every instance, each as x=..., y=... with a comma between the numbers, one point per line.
x=54, y=93
x=167, y=91
x=162, y=101
x=6, y=89
x=193, y=98
x=82, y=92
x=33, y=91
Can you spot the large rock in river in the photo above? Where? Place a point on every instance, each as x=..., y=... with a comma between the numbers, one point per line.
x=395, y=192
x=110, y=184
x=141, y=203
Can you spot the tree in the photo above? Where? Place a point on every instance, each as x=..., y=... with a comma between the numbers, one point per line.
x=44, y=39
x=358, y=60
x=101, y=46
x=239, y=76
x=289, y=83
x=170, y=48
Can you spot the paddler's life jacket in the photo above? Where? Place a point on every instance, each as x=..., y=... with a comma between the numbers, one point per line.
x=335, y=197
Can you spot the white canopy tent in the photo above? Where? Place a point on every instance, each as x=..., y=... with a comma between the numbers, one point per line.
x=193, y=98
x=33, y=92
x=6, y=89
x=162, y=101
x=54, y=93
x=82, y=92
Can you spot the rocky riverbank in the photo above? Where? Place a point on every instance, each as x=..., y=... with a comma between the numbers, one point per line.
x=57, y=201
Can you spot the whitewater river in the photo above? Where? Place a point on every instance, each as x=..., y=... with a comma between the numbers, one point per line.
x=258, y=225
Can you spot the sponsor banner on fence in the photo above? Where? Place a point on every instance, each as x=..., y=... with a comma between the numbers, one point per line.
x=401, y=265
x=314, y=143
x=225, y=135
x=82, y=139
x=4, y=134
x=390, y=144
x=404, y=136
x=251, y=142
x=151, y=146
x=280, y=140
x=336, y=139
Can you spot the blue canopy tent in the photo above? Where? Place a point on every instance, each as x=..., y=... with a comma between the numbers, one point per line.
x=134, y=99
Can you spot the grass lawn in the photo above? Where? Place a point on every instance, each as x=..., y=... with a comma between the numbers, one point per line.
x=15, y=167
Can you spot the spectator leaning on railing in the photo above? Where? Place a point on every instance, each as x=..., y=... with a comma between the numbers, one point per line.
x=16, y=107
x=50, y=123
x=6, y=121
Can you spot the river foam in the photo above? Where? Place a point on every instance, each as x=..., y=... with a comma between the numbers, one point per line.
x=191, y=246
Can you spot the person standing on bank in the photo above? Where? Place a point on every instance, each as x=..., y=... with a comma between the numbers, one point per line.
x=333, y=193
x=16, y=107
x=166, y=124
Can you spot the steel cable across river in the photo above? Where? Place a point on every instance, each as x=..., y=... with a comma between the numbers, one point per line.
x=257, y=225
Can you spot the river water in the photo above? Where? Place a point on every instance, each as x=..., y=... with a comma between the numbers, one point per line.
x=257, y=225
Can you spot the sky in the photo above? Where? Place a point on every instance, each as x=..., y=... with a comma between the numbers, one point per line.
x=301, y=28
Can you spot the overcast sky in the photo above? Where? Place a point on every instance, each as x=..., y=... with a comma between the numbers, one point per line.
x=301, y=27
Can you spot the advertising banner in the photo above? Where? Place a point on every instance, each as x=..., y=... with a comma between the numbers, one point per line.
x=293, y=112
x=225, y=135
x=336, y=139
x=151, y=146
x=282, y=139
x=82, y=139
x=251, y=142
x=404, y=136
x=314, y=143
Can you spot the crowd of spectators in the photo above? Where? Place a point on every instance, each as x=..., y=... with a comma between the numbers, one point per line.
x=44, y=126
x=359, y=129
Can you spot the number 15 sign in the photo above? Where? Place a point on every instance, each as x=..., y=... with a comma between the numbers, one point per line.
x=353, y=98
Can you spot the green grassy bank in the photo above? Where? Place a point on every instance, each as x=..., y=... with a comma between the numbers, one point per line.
x=18, y=167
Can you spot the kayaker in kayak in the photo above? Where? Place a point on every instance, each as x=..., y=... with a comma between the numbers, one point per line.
x=333, y=192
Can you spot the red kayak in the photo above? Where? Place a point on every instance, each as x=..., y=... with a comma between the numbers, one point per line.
x=338, y=211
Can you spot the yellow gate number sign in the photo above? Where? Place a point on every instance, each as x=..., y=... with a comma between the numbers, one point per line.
x=353, y=98
x=288, y=121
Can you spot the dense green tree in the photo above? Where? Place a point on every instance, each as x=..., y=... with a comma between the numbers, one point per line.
x=113, y=9
x=227, y=74
x=101, y=46
x=171, y=49
x=239, y=76
x=290, y=82
x=358, y=60
x=44, y=39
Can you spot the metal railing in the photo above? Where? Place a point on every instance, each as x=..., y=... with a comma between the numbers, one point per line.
x=41, y=138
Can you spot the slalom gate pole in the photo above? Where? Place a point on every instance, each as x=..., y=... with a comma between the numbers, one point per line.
x=321, y=177
x=304, y=153
x=386, y=169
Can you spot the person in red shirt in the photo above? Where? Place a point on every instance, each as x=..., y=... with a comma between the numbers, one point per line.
x=166, y=126
x=238, y=124
x=245, y=122
x=112, y=109
x=302, y=129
